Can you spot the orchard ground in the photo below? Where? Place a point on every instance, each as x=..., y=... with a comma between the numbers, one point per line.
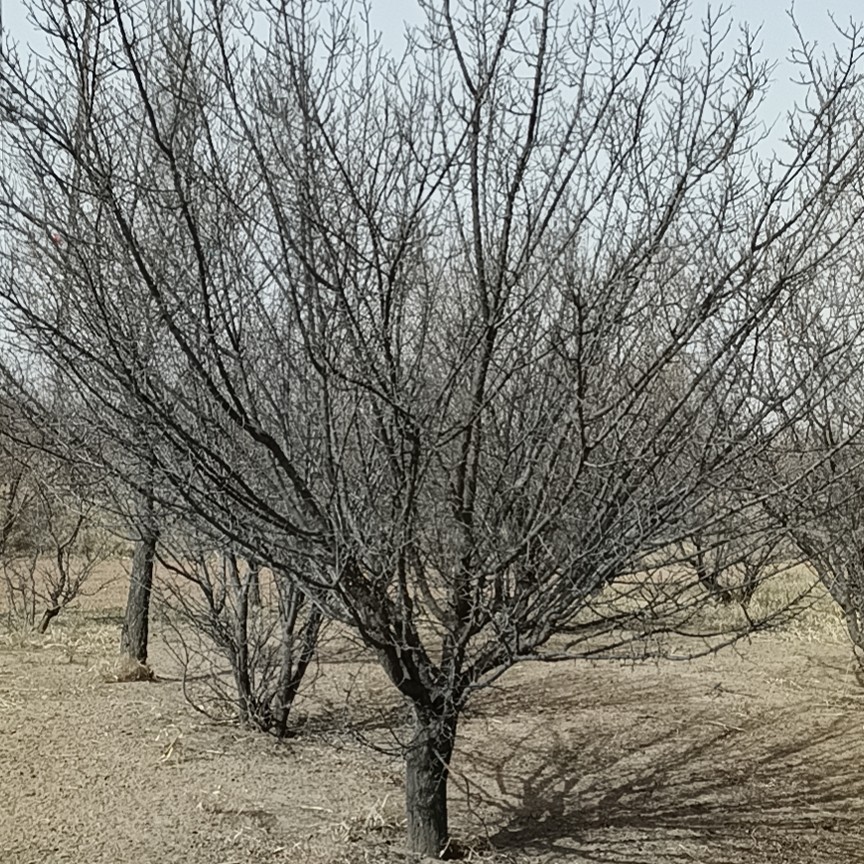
x=751, y=755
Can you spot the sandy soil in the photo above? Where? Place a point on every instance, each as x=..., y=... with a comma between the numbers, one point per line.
x=754, y=755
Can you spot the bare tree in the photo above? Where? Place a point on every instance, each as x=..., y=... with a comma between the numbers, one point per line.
x=821, y=463
x=52, y=540
x=416, y=319
x=269, y=640
x=733, y=554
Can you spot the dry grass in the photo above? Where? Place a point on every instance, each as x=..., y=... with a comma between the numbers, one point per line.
x=802, y=607
x=125, y=669
x=791, y=602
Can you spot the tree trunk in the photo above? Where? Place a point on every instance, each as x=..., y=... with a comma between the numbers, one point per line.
x=240, y=588
x=47, y=617
x=254, y=581
x=136, y=623
x=291, y=675
x=427, y=764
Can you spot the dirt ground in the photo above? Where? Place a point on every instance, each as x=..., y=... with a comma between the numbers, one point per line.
x=754, y=755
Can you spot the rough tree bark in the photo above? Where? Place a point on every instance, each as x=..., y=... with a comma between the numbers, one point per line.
x=136, y=622
x=427, y=766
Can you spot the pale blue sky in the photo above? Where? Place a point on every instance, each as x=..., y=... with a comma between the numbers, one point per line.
x=771, y=15
x=776, y=31
x=390, y=16
x=777, y=34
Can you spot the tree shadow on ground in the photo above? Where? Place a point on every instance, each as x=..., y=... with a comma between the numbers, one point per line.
x=781, y=785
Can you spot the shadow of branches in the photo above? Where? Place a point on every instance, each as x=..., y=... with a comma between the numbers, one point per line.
x=680, y=780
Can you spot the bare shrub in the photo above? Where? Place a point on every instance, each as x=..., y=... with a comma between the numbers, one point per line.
x=51, y=540
x=221, y=607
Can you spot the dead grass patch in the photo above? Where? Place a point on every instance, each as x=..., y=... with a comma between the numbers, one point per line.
x=125, y=669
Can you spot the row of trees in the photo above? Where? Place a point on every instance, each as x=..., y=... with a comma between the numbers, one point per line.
x=447, y=342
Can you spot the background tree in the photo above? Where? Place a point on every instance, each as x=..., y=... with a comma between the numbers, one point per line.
x=415, y=319
x=214, y=603
x=52, y=537
x=818, y=462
